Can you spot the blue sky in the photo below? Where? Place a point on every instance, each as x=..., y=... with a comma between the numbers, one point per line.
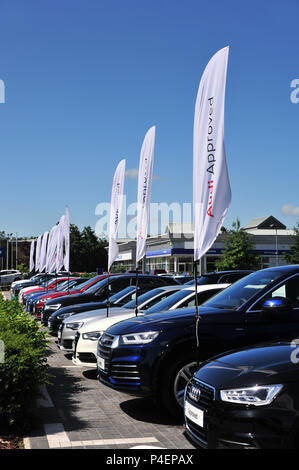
x=85, y=80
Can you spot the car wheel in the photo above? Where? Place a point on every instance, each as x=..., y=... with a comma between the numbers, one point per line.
x=173, y=383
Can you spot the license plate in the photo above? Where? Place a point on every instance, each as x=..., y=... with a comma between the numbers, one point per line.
x=101, y=363
x=194, y=414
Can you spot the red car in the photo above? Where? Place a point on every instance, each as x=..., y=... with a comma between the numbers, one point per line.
x=52, y=284
x=53, y=295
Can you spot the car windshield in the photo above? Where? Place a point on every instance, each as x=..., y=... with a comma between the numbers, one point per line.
x=47, y=282
x=65, y=285
x=241, y=291
x=86, y=283
x=96, y=286
x=143, y=298
x=203, y=280
x=167, y=303
x=122, y=293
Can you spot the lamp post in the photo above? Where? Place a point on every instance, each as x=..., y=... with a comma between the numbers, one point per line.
x=275, y=227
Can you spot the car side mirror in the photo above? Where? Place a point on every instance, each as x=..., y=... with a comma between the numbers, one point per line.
x=277, y=309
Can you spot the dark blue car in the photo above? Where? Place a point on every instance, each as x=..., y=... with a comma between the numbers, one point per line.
x=157, y=354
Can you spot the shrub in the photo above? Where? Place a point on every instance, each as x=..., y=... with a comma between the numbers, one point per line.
x=24, y=369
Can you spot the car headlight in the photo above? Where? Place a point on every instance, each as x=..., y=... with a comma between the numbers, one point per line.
x=74, y=326
x=139, y=338
x=46, y=299
x=257, y=396
x=63, y=315
x=52, y=307
x=93, y=335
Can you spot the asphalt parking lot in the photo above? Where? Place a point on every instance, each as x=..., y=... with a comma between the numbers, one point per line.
x=77, y=411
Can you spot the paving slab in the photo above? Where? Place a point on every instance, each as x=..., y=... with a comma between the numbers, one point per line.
x=79, y=412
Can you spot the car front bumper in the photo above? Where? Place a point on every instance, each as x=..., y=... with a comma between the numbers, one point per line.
x=233, y=427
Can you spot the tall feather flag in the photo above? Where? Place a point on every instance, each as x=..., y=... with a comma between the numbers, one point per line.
x=66, y=230
x=51, y=250
x=211, y=187
x=145, y=177
x=43, y=252
x=60, y=243
x=37, y=253
x=31, y=267
x=115, y=210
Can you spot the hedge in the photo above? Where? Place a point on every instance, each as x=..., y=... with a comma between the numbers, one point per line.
x=24, y=368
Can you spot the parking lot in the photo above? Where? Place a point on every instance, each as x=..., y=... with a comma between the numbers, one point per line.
x=77, y=411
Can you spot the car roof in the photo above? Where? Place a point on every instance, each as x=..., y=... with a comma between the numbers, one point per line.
x=206, y=287
x=170, y=288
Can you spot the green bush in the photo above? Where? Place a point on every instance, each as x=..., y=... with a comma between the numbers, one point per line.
x=24, y=368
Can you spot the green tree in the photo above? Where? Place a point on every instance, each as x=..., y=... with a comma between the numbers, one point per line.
x=293, y=257
x=238, y=250
x=87, y=251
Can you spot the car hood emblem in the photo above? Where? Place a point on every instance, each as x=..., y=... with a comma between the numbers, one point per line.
x=194, y=393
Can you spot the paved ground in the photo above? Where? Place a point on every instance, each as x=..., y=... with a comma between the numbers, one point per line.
x=79, y=412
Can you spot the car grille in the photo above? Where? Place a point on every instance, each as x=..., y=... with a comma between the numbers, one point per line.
x=104, y=349
x=204, y=402
x=89, y=358
x=67, y=344
x=122, y=371
x=125, y=371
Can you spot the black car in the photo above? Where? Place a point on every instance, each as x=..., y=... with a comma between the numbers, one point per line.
x=98, y=292
x=220, y=277
x=157, y=354
x=117, y=300
x=247, y=399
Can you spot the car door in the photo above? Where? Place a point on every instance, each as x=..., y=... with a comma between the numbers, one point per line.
x=259, y=328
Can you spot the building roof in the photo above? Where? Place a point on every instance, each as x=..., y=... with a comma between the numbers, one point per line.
x=265, y=223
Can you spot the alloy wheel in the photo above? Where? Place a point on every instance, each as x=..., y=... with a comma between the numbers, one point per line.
x=182, y=378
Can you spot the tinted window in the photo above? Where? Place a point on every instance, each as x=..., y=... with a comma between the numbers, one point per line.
x=241, y=291
x=289, y=290
x=171, y=300
x=143, y=298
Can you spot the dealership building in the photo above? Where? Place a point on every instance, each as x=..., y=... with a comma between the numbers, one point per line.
x=173, y=251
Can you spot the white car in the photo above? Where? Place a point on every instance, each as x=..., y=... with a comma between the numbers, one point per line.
x=7, y=276
x=87, y=336
x=70, y=325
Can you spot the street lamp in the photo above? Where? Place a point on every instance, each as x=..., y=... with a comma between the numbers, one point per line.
x=275, y=227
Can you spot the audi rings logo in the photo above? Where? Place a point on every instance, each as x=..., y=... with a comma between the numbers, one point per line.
x=194, y=393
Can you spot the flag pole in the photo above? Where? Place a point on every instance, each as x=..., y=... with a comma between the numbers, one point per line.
x=108, y=297
x=136, y=298
x=197, y=316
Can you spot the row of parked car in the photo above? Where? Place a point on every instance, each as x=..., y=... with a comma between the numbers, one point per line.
x=234, y=373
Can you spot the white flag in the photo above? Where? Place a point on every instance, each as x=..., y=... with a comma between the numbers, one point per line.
x=43, y=252
x=115, y=210
x=60, y=244
x=51, y=250
x=145, y=177
x=31, y=267
x=211, y=188
x=37, y=253
x=66, y=260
